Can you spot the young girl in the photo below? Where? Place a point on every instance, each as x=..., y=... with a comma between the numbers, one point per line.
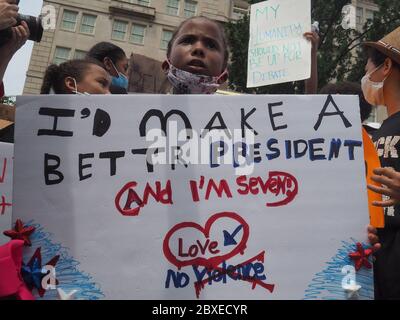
x=114, y=60
x=197, y=57
x=76, y=77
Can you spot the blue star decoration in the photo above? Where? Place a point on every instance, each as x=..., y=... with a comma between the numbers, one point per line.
x=33, y=272
x=69, y=276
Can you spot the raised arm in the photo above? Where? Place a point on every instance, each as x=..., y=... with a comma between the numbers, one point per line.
x=311, y=84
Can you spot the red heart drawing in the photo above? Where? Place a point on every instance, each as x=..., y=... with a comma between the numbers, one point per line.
x=200, y=261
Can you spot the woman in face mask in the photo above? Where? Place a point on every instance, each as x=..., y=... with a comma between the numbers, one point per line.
x=76, y=77
x=114, y=60
x=381, y=86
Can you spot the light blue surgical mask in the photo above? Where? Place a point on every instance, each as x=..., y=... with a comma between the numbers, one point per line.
x=121, y=80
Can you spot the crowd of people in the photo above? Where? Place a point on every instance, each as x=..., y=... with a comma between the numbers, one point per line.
x=197, y=63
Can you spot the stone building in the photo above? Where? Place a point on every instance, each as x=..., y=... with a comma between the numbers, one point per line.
x=142, y=27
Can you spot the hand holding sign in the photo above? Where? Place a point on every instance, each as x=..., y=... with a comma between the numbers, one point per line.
x=390, y=179
x=373, y=238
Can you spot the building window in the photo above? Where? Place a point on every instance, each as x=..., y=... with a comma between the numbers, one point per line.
x=369, y=14
x=173, y=7
x=61, y=55
x=137, y=35
x=166, y=37
x=69, y=20
x=190, y=9
x=87, y=24
x=144, y=2
x=80, y=54
x=360, y=15
x=119, y=30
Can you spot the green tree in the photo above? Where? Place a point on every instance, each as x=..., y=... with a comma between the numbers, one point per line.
x=8, y=101
x=385, y=20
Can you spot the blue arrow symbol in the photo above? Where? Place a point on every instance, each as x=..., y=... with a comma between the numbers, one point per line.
x=229, y=239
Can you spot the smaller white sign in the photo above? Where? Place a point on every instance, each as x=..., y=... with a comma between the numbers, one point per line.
x=278, y=50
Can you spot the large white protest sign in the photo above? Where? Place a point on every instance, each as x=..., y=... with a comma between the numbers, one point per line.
x=278, y=51
x=268, y=208
x=6, y=180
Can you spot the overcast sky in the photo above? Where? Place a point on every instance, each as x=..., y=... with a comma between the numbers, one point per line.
x=14, y=79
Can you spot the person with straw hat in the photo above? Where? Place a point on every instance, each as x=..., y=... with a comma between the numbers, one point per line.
x=381, y=87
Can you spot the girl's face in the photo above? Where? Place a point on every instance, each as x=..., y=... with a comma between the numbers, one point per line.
x=95, y=81
x=120, y=66
x=199, y=48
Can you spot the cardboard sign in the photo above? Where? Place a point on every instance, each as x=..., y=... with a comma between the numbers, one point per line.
x=278, y=51
x=6, y=180
x=208, y=197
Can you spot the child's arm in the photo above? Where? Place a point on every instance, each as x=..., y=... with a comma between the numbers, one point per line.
x=311, y=84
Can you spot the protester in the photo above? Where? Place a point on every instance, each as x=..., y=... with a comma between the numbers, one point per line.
x=381, y=86
x=8, y=15
x=76, y=77
x=114, y=60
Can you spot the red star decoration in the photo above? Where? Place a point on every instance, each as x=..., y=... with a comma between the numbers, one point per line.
x=38, y=255
x=20, y=232
x=360, y=257
x=4, y=205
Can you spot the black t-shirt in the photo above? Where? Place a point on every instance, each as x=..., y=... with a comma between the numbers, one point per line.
x=387, y=264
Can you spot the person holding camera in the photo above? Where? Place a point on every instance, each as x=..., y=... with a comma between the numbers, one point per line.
x=8, y=13
x=19, y=35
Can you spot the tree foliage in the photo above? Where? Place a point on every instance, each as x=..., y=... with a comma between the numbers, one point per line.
x=8, y=101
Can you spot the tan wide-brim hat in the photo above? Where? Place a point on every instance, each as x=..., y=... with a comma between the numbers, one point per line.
x=388, y=45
